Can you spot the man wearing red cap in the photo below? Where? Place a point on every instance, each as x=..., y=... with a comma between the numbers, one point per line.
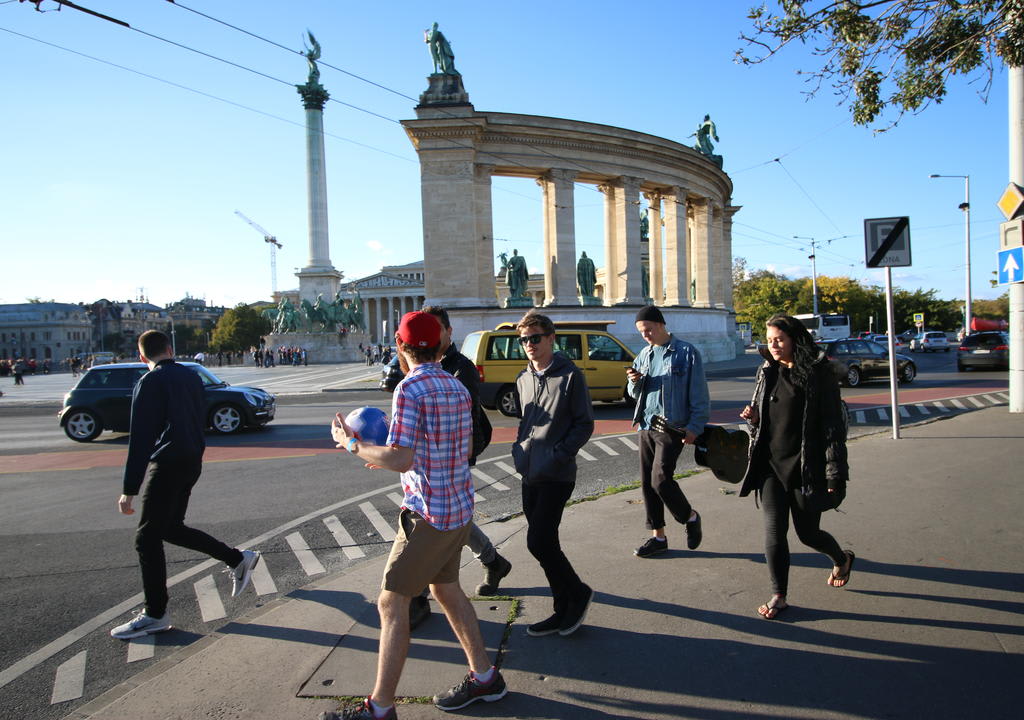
x=429, y=444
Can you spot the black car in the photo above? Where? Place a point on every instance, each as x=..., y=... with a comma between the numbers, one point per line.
x=102, y=400
x=989, y=349
x=860, y=360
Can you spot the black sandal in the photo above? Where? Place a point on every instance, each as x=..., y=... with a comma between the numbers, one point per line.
x=841, y=579
x=771, y=609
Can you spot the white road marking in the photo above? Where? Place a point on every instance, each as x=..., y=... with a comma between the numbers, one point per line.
x=210, y=604
x=883, y=414
x=69, y=680
x=396, y=498
x=977, y=402
x=1004, y=396
x=604, y=447
x=345, y=541
x=957, y=403
x=924, y=409
x=904, y=412
x=992, y=399
x=858, y=417
x=508, y=469
x=586, y=456
x=478, y=498
x=484, y=477
x=262, y=582
x=383, y=528
x=141, y=648
x=941, y=407
x=304, y=555
x=629, y=443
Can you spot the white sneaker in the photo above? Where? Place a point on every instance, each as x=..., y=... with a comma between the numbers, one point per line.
x=141, y=624
x=242, y=573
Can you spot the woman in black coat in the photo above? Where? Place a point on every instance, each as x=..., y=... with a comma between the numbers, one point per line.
x=797, y=460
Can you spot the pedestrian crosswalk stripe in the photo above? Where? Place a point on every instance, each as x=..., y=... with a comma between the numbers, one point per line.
x=859, y=417
x=141, y=648
x=396, y=499
x=69, y=680
x=957, y=403
x=210, y=605
x=604, y=447
x=942, y=407
x=484, y=477
x=262, y=582
x=385, y=530
x=924, y=409
x=304, y=555
x=1004, y=396
x=508, y=469
x=904, y=412
x=478, y=498
x=344, y=540
x=883, y=414
x=628, y=443
x=977, y=402
x=585, y=455
x=992, y=399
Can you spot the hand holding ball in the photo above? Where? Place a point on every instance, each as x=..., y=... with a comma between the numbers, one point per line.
x=369, y=424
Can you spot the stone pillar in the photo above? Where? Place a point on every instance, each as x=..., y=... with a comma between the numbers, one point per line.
x=611, y=268
x=703, y=227
x=559, y=237
x=627, y=241
x=677, y=261
x=730, y=210
x=654, y=247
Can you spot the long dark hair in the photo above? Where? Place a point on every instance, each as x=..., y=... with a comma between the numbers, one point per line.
x=805, y=352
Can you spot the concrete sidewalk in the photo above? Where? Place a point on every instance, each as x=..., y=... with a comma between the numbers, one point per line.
x=931, y=624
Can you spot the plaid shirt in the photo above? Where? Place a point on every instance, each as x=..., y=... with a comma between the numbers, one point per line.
x=431, y=413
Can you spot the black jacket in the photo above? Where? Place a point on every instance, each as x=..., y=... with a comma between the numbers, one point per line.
x=823, y=463
x=557, y=420
x=168, y=420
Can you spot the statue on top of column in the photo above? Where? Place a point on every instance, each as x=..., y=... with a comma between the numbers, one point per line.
x=440, y=51
x=312, y=54
x=517, y=277
x=586, y=280
x=705, y=131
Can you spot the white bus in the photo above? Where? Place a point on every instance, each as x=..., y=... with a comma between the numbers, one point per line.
x=826, y=327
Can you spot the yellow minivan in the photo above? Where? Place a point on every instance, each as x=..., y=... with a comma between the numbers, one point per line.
x=499, y=358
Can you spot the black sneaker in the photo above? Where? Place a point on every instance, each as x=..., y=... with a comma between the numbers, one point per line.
x=419, y=610
x=498, y=568
x=545, y=627
x=469, y=691
x=576, y=613
x=653, y=546
x=694, y=532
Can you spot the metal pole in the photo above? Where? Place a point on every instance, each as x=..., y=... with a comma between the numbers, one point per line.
x=814, y=277
x=1016, y=153
x=894, y=401
x=967, y=243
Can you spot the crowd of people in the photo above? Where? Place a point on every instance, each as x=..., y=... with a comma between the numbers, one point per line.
x=796, y=465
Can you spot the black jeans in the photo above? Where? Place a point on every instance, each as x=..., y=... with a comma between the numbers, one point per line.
x=543, y=505
x=164, y=503
x=778, y=504
x=659, y=453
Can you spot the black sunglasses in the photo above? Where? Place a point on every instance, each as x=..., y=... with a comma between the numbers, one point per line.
x=532, y=339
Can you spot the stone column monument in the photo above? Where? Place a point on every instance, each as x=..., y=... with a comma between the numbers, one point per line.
x=319, y=277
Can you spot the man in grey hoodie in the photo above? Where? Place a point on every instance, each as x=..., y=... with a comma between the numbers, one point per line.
x=557, y=419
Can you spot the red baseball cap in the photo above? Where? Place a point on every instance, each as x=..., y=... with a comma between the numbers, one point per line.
x=420, y=329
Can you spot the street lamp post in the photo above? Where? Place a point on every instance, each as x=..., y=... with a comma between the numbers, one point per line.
x=814, y=270
x=966, y=207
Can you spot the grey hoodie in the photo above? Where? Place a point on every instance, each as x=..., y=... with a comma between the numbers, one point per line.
x=557, y=420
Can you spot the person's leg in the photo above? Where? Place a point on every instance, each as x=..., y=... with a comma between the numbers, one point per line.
x=666, y=454
x=462, y=617
x=394, y=645
x=547, y=502
x=495, y=565
x=159, y=500
x=775, y=501
x=807, y=525
x=178, y=533
x=654, y=508
x=481, y=545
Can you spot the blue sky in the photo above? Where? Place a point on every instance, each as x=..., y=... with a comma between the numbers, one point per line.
x=116, y=184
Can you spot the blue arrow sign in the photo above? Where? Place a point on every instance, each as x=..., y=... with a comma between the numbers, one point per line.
x=1011, y=265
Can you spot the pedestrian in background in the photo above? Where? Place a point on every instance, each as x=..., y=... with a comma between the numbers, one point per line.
x=167, y=424
x=19, y=371
x=667, y=379
x=797, y=461
x=556, y=420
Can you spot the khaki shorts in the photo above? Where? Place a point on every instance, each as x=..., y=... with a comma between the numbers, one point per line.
x=423, y=555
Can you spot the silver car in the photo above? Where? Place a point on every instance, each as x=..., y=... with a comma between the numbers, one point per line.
x=930, y=341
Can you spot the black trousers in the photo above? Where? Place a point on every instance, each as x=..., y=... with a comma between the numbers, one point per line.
x=659, y=453
x=164, y=503
x=543, y=505
x=778, y=504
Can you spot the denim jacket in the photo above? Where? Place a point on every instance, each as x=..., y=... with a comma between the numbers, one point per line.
x=684, y=393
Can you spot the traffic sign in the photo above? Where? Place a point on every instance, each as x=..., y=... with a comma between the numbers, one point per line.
x=1011, y=201
x=887, y=242
x=918, y=318
x=1011, y=265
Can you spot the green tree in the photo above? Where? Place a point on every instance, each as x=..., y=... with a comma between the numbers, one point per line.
x=238, y=328
x=879, y=54
x=763, y=294
x=998, y=309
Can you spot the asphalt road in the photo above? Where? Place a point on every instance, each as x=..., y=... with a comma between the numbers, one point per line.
x=69, y=568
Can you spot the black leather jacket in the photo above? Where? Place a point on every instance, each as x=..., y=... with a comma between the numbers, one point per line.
x=823, y=463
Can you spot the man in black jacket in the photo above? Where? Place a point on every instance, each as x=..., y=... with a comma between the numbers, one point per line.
x=557, y=420
x=168, y=420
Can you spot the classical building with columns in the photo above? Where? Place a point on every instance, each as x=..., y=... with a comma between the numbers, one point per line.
x=688, y=196
x=389, y=294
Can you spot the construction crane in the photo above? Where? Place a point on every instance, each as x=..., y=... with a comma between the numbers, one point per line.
x=274, y=245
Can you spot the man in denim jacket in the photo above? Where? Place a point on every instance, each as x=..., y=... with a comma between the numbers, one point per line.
x=667, y=378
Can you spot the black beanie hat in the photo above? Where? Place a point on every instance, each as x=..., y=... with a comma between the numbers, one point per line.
x=651, y=314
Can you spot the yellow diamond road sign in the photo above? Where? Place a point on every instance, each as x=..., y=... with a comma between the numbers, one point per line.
x=1012, y=201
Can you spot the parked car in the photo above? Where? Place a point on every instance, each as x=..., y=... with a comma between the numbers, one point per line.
x=102, y=400
x=930, y=341
x=883, y=340
x=857, y=361
x=989, y=349
x=499, y=357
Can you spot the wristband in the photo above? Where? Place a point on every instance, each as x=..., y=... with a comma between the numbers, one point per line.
x=352, y=445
